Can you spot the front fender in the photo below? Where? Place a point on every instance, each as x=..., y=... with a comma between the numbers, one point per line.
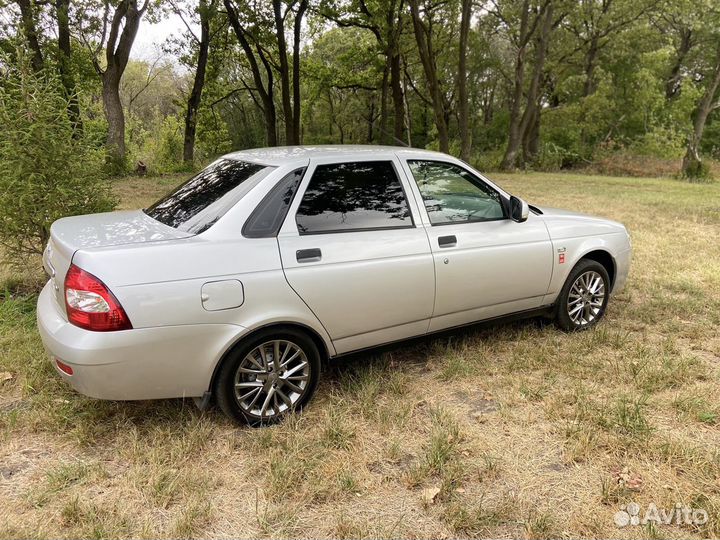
x=567, y=252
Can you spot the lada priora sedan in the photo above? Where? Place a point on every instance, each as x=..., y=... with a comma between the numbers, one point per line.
x=242, y=280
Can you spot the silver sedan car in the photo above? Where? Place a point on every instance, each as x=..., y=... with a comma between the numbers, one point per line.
x=238, y=283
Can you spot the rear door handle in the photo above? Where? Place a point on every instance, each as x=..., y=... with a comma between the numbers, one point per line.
x=308, y=255
x=447, y=241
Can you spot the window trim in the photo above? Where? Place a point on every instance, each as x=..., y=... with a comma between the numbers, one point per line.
x=265, y=200
x=364, y=229
x=477, y=182
x=392, y=163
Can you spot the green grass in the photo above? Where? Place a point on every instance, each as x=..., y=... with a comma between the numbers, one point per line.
x=519, y=426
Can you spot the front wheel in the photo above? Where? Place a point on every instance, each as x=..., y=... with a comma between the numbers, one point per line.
x=584, y=297
x=268, y=376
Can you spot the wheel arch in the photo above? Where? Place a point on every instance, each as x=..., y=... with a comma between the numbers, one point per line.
x=604, y=258
x=322, y=347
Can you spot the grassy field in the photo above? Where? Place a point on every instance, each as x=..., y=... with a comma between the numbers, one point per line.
x=514, y=430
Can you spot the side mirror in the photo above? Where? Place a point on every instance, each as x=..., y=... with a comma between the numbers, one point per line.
x=518, y=209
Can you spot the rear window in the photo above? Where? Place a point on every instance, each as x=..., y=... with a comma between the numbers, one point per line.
x=197, y=204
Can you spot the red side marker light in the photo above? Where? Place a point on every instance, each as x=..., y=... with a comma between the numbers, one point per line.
x=62, y=366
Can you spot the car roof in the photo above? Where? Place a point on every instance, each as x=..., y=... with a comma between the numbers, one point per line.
x=284, y=155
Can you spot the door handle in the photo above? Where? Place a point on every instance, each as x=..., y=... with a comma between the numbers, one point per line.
x=308, y=255
x=447, y=241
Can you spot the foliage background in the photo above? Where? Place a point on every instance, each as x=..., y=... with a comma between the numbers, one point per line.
x=620, y=87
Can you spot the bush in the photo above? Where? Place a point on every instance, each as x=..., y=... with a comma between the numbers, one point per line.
x=660, y=142
x=697, y=171
x=553, y=157
x=160, y=147
x=45, y=172
x=488, y=160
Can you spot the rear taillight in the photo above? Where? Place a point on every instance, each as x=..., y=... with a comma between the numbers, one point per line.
x=91, y=305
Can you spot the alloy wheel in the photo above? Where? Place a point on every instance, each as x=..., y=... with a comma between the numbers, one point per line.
x=271, y=379
x=586, y=298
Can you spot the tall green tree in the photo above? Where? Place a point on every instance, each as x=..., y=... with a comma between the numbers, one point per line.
x=463, y=99
x=426, y=16
x=528, y=26
x=112, y=29
x=385, y=19
x=261, y=32
x=251, y=30
x=204, y=12
x=709, y=101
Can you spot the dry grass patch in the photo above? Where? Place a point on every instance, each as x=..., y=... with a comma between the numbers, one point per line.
x=517, y=429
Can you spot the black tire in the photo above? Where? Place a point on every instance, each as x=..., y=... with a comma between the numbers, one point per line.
x=225, y=382
x=563, y=317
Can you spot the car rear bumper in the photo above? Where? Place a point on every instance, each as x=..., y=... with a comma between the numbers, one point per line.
x=142, y=363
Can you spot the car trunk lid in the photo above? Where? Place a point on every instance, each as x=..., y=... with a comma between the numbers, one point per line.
x=68, y=235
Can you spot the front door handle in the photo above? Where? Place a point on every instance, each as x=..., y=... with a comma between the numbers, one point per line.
x=447, y=241
x=308, y=255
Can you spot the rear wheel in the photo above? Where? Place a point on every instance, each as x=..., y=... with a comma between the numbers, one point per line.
x=268, y=376
x=583, y=299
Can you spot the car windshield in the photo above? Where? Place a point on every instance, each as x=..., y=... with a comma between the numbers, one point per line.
x=198, y=203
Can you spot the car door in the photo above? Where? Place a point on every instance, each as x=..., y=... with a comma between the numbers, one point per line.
x=352, y=250
x=486, y=264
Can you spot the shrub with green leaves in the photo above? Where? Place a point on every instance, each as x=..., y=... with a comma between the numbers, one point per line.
x=46, y=171
x=161, y=147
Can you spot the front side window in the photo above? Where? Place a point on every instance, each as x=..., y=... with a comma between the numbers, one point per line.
x=453, y=195
x=198, y=203
x=351, y=197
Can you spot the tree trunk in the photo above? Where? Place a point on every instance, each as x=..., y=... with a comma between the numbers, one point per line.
x=531, y=137
x=530, y=125
x=198, y=83
x=521, y=124
x=384, y=113
x=590, y=62
x=672, y=85
x=512, y=150
x=691, y=164
x=284, y=73
x=296, y=70
x=115, y=119
x=369, y=137
x=488, y=104
x=123, y=29
x=30, y=30
x=406, y=109
x=464, y=105
x=392, y=32
x=265, y=92
x=270, y=115
x=331, y=116
x=66, y=76
x=427, y=58
x=397, y=97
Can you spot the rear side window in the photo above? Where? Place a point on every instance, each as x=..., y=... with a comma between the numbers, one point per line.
x=357, y=196
x=197, y=204
x=267, y=218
